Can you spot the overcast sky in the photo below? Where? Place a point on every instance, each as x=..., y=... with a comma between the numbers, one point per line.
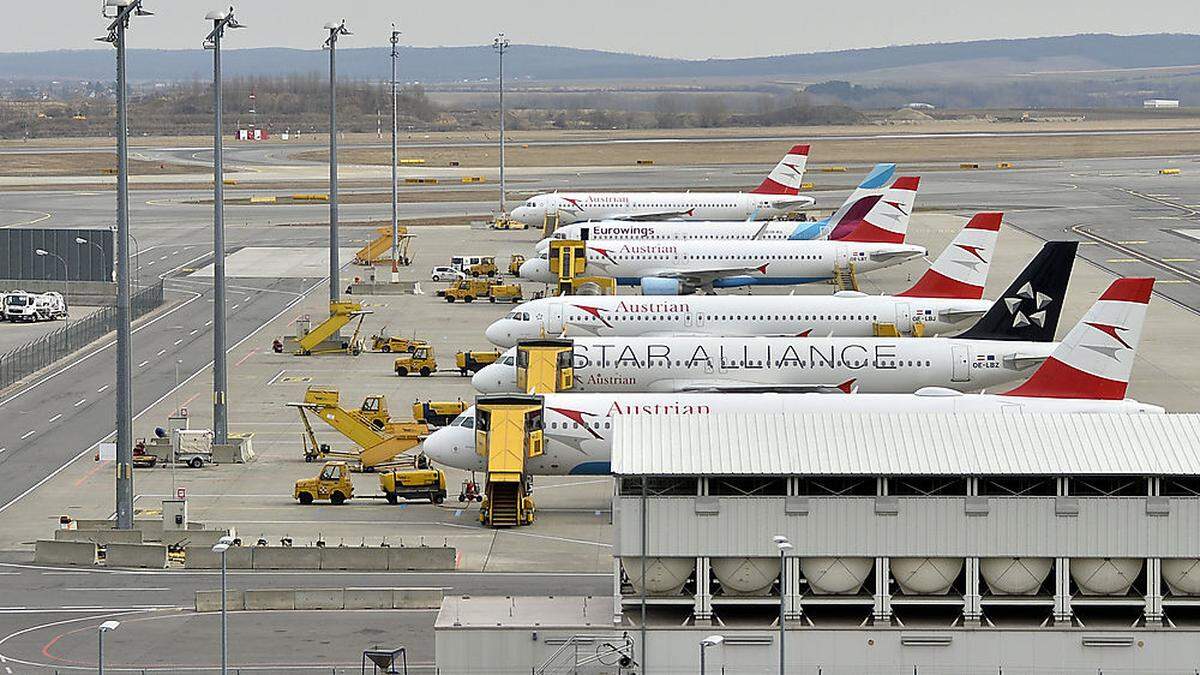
x=675, y=28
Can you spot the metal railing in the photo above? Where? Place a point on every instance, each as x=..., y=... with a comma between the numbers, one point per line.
x=33, y=356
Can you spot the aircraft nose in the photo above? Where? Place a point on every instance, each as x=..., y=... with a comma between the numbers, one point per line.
x=499, y=334
x=448, y=446
x=495, y=379
x=523, y=214
x=536, y=269
x=543, y=245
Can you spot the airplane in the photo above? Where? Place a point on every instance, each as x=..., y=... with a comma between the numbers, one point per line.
x=1088, y=372
x=1014, y=335
x=945, y=300
x=868, y=192
x=679, y=266
x=777, y=195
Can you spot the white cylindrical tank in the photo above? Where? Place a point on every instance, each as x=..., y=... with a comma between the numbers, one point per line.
x=836, y=576
x=1015, y=576
x=926, y=576
x=664, y=576
x=1182, y=575
x=746, y=576
x=1105, y=576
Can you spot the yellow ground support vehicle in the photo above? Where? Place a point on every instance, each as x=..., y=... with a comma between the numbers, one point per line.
x=438, y=413
x=390, y=344
x=514, y=264
x=413, y=484
x=467, y=290
x=379, y=250
x=310, y=340
x=470, y=363
x=505, y=293
x=379, y=438
x=503, y=223
x=484, y=268
x=333, y=483
x=420, y=360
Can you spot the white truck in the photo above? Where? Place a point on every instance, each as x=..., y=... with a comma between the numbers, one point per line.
x=30, y=307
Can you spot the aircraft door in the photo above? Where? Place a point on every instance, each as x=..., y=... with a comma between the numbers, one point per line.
x=554, y=318
x=904, y=318
x=585, y=233
x=961, y=364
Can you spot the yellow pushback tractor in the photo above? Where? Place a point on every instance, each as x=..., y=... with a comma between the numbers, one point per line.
x=509, y=430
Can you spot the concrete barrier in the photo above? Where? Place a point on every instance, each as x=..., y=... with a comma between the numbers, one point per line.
x=367, y=598
x=285, y=558
x=354, y=558
x=202, y=558
x=52, y=552
x=210, y=601
x=149, y=556
x=195, y=538
x=320, y=598
x=102, y=537
x=417, y=598
x=421, y=558
x=271, y=599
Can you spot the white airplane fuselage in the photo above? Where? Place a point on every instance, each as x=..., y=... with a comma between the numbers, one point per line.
x=843, y=314
x=763, y=230
x=573, y=207
x=706, y=363
x=579, y=427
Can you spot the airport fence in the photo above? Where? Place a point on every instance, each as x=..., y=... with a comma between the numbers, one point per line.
x=33, y=356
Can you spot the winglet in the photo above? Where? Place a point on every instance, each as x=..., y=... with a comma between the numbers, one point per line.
x=1095, y=360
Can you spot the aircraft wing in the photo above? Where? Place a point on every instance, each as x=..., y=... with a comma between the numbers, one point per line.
x=705, y=277
x=881, y=256
x=790, y=201
x=655, y=215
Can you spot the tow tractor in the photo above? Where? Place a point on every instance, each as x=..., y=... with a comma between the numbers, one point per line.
x=420, y=360
x=334, y=484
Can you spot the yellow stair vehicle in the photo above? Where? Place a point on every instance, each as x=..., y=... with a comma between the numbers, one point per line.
x=310, y=340
x=379, y=438
x=470, y=363
x=437, y=413
x=379, y=250
x=333, y=484
x=420, y=360
x=400, y=484
x=568, y=260
x=508, y=431
x=545, y=366
x=514, y=264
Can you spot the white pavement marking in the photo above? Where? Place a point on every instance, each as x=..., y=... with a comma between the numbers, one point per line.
x=137, y=589
x=142, y=364
x=179, y=340
x=28, y=434
x=208, y=323
x=236, y=306
x=80, y=402
x=272, y=380
x=54, y=419
x=101, y=389
x=194, y=331
x=161, y=352
x=2, y=450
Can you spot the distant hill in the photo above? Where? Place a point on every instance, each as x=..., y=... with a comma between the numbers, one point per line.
x=543, y=63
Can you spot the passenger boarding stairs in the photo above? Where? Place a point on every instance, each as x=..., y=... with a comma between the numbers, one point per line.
x=504, y=501
x=844, y=277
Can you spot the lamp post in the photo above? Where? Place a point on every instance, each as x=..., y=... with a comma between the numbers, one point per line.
x=81, y=241
x=710, y=641
x=104, y=628
x=782, y=543
x=66, y=277
x=336, y=29
x=500, y=44
x=395, y=180
x=120, y=11
x=221, y=20
x=137, y=261
x=222, y=546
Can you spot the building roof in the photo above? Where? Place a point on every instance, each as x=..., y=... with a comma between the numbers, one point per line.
x=883, y=444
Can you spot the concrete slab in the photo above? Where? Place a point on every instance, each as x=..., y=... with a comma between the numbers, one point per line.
x=101, y=537
x=421, y=558
x=268, y=262
x=320, y=598
x=145, y=556
x=210, y=601
x=284, y=599
x=367, y=598
x=417, y=598
x=52, y=552
x=202, y=558
x=287, y=558
x=354, y=558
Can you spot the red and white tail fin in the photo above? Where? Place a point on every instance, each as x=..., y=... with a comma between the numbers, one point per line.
x=1096, y=358
x=787, y=175
x=961, y=271
x=887, y=221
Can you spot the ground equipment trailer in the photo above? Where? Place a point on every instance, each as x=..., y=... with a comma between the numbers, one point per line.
x=334, y=484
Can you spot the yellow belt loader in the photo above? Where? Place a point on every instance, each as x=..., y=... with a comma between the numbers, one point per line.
x=379, y=250
x=379, y=438
x=340, y=314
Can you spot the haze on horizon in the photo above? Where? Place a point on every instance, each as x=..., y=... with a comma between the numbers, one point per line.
x=698, y=29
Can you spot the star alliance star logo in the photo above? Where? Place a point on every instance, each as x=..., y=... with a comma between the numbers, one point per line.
x=1040, y=302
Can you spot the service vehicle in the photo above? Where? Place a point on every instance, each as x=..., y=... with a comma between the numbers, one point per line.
x=420, y=360
x=467, y=290
x=418, y=483
x=505, y=293
x=333, y=484
x=389, y=344
x=31, y=307
x=509, y=224
x=470, y=362
x=437, y=413
x=514, y=264
x=475, y=265
x=443, y=273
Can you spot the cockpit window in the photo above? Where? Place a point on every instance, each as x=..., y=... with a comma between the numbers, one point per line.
x=465, y=420
x=518, y=316
x=509, y=361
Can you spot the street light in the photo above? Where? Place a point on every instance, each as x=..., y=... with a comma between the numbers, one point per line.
x=336, y=29
x=120, y=11
x=222, y=546
x=500, y=44
x=710, y=641
x=221, y=19
x=395, y=180
x=81, y=241
x=66, y=278
x=104, y=628
x=782, y=543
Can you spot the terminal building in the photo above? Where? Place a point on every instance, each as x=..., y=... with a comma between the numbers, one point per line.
x=886, y=542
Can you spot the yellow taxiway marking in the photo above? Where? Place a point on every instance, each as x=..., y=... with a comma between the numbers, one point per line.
x=1131, y=242
x=1171, y=281
x=1122, y=260
x=1179, y=260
